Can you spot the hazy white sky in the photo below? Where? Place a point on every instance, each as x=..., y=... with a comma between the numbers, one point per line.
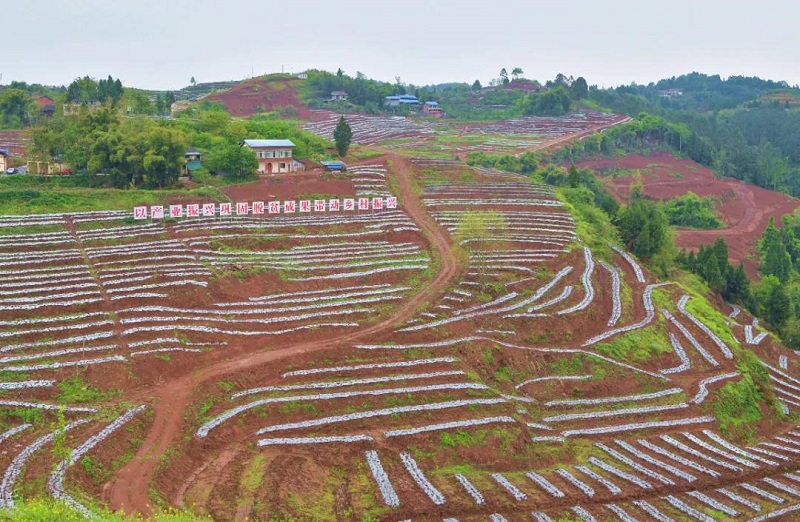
x=161, y=44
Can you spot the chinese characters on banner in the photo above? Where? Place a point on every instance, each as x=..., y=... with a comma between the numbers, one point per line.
x=257, y=208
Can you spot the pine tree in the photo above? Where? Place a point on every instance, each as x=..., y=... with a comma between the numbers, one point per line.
x=342, y=136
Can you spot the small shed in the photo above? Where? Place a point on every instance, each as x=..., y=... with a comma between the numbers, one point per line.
x=193, y=161
x=336, y=165
x=3, y=160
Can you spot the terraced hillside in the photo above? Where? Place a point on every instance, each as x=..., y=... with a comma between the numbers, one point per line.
x=475, y=355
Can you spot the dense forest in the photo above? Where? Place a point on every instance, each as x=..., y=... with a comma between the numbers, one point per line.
x=737, y=126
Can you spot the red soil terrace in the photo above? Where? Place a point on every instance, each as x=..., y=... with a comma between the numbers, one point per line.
x=745, y=209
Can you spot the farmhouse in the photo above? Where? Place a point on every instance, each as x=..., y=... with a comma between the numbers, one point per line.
x=47, y=106
x=338, y=95
x=3, y=160
x=402, y=99
x=274, y=156
x=431, y=108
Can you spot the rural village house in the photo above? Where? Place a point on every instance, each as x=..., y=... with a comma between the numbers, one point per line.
x=274, y=156
x=431, y=108
x=3, y=160
x=401, y=99
x=46, y=105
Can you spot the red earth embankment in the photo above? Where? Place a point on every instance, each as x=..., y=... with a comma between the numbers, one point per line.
x=745, y=209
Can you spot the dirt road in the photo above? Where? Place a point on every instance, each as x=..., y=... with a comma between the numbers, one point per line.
x=128, y=490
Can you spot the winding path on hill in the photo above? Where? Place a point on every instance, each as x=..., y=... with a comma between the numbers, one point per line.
x=129, y=489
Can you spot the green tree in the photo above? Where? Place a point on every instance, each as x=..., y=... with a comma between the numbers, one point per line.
x=644, y=228
x=773, y=300
x=16, y=108
x=579, y=88
x=516, y=72
x=504, y=76
x=342, y=135
x=476, y=85
x=232, y=159
x=775, y=259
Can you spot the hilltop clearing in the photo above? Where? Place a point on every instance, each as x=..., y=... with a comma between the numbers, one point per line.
x=263, y=94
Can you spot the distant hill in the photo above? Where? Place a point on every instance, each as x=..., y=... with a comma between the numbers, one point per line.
x=276, y=92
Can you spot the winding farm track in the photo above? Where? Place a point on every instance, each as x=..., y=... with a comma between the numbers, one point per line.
x=129, y=489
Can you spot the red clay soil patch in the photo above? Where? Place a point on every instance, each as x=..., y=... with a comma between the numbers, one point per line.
x=290, y=186
x=745, y=209
x=260, y=95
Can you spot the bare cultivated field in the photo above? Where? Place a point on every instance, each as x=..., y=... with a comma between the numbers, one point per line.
x=381, y=365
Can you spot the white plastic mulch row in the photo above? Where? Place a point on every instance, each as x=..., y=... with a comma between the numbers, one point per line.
x=61, y=328
x=651, y=510
x=616, y=294
x=630, y=448
x=647, y=299
x=623, y=515
x=713, y=449
x=713, y=503
x=165, y=350
x=508, y=486
x=635, y=465
x=750, y=338
x=352, y=382
x=347, y=275
x=68, y=340
x=613, y=413
x=762, y=493
x=357, y=367
x=449, y=426
x=14, y=469
x=583, y=514
x=229, y=414
x=25, y=384
x=726, y=352
x=66, y=364
x=422, y=481
x=687, y=509
x=56, y=353
x=586, y=280
x=545, y=484
x=553, y=282
x=385, y=412
x=575, y=481
x=382, y=479
x=677, y=458
x=699, y=454
x=636, y=268
x=470, y=488
x=244, y=333
x=13, y=431
x=554, y=378
x=294, y=441
x=740, y=499
x=51, y=407
x=685, y=364
x=633, y=479
x=610, y=486
x=702, y=392
x=691, y=338
x=56, y=481
x=619, y=398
